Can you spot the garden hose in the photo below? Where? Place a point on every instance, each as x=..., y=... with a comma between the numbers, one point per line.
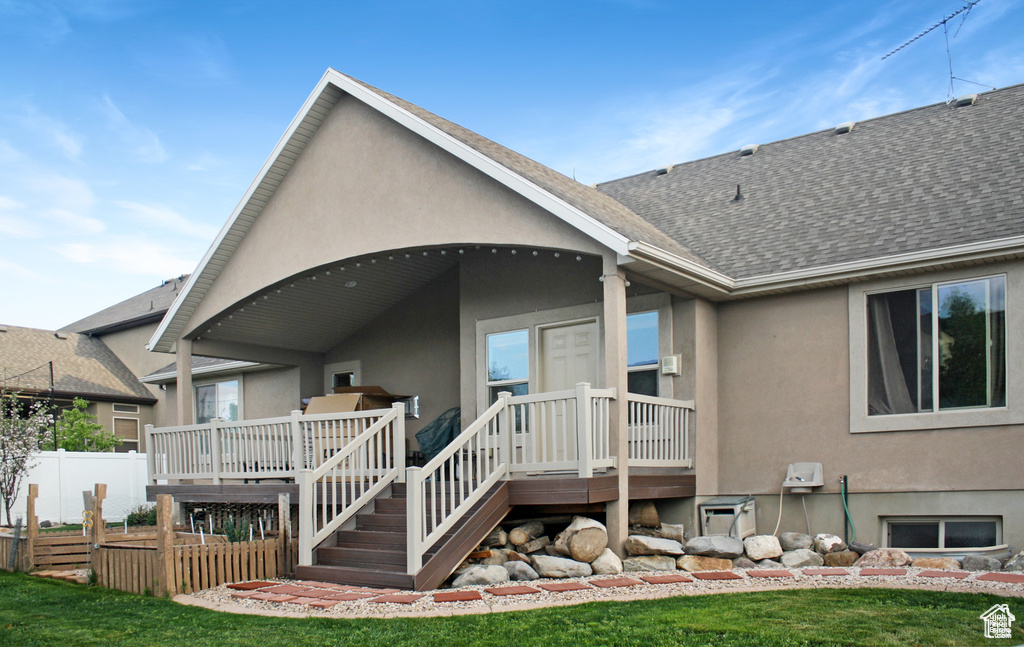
x=846, y=509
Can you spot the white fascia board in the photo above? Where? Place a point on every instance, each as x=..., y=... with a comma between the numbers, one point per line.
x=539, y=196
x=859, y=269
x=231, y=367
x=674, y=263
x=157, y=341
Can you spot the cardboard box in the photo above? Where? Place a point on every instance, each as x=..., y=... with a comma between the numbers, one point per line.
x=353, y=398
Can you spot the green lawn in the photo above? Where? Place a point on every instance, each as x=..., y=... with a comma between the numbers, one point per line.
x=47, y=612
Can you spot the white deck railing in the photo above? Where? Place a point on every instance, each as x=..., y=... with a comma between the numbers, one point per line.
x=252, y=449
x=659, y=431
x=349, y=479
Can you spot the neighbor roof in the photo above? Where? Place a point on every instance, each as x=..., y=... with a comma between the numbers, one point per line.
x=82, y=366
x=202, y=366
x=923, y=179
x=140, y=309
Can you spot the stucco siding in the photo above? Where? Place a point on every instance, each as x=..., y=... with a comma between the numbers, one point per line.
x=364, y=184
x=784, y=398
x=270, y=393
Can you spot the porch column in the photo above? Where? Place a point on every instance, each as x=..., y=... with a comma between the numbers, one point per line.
x=186, y=411
x=615, y=377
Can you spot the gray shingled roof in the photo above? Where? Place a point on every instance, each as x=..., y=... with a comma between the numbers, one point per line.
x=82, y=365
x=927, y=178
x=585, y=198
x=199, y=364
x=139, y=309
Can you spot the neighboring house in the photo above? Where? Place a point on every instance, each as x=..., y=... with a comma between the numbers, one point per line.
x=56, y=367
x=853, y=297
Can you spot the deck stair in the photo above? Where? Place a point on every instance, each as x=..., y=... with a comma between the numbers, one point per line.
x=374, y=552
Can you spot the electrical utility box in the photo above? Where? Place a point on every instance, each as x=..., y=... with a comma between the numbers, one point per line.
x=728, y=515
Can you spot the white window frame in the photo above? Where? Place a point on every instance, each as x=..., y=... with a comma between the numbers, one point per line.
x=355, y=367
x=125, y=408
x=510, y=382
x=138, y=431
x=536, y=321
x=1011, y=414
x=942, y=520
x=218, y=380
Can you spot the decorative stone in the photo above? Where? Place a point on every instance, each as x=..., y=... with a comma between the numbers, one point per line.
x=520, y=571
x=800, y=558
x=698, y=563
x=761, y=547
x=743, y=562
x=721, y=546
x=607, y=563
x=884, y=558
x=769, y=564
x=673, y=531
x=642, y=545
x=1015, y=563
x=825, y=543
x=937, y=563
x=649, y=563
x=549, y=550
x=842, y=558
x=795, y=541
x=559, y=567
x=644, y=513
x=514, y=556
x=480, y=574
x=860, y=548
x=45, y=523
x=497, y=558
x=982, y=563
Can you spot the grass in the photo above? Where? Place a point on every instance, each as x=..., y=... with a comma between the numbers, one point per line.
x=47, y=612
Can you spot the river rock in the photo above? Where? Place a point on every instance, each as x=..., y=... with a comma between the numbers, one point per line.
x=761, y=547
x=520, y=571
x=644, y=513
x=825, y=543
x=515, y=556
x=795, y=541
x=1015, y=563
x=860, y=548
x=643, y=545
x=608, y=563
x=698, y=563
x=497, y=558
x=982, y=563
x=884, y=558
x=744, y=562
x=721, y=546
x=800, y=558
x=649, y=563
x=770, y=564
x=557, y=567
x=479, y=574
x=936, y=563
x=673, y=531
x=842, y=558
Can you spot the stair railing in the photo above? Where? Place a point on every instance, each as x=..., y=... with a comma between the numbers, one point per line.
x=442, y=491
x=349, y=479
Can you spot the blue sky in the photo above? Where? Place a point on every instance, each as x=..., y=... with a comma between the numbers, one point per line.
x=129, y=130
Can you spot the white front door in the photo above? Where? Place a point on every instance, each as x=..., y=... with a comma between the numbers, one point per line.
x=568, y=355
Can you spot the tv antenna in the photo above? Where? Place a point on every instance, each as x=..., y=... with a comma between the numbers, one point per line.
x=965, y=10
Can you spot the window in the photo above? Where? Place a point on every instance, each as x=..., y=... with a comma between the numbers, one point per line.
x=343, y=379
x=943, y=533
x=219, y=400
x=937, y=348
x=642, y=352
x=127, y=429
x=508, y=363
x=126, y=408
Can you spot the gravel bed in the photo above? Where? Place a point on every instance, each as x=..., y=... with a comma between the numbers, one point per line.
x=220, y=597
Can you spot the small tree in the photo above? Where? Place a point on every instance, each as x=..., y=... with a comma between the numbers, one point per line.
x=20, y=428
x=77, y=431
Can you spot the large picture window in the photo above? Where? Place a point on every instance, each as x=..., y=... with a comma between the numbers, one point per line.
x=218, y=400
x=508, y=363
x=937, y=348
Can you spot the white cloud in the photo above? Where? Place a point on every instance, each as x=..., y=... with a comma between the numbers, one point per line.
x=128, y=255
x=74, y=222
x=166, y=217
x=62, y=192
x=143, y=142
x=19, y=271
x=205, y=162
x=54, y=130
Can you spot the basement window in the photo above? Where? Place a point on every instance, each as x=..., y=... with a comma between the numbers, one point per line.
x=943, y=533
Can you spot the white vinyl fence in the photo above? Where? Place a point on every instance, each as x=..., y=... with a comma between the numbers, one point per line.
x=63, y=476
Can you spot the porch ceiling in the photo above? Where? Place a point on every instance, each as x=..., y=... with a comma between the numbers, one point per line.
x=317, y=309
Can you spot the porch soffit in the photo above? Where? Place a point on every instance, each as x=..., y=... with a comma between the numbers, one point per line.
x=316, y=310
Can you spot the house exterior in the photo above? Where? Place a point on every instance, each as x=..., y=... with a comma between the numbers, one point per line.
x=852, y=297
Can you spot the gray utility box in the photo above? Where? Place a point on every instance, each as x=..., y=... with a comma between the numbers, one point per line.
x=717, y=516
